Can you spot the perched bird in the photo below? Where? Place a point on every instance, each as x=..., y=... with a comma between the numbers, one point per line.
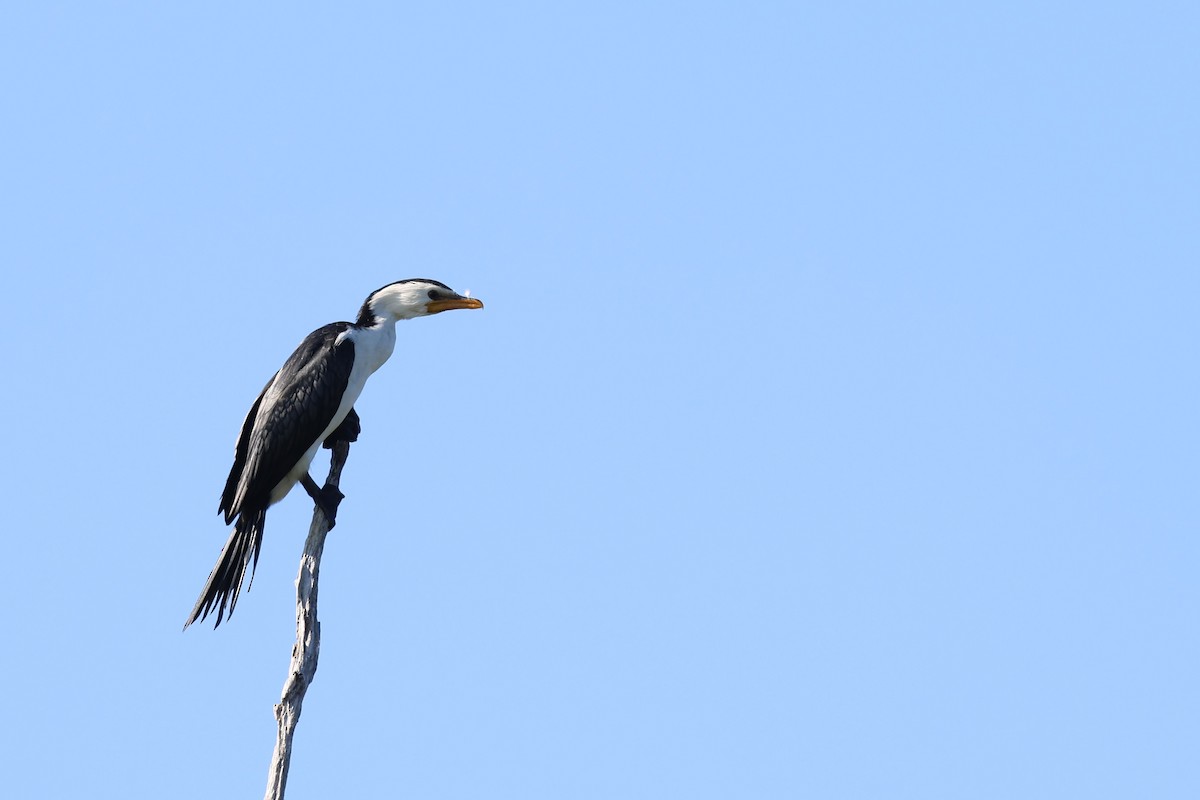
x=309, y=399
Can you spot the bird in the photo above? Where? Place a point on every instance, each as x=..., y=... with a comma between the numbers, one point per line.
x=309, y=401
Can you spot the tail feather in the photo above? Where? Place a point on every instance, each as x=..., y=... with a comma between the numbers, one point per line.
x=225, y=580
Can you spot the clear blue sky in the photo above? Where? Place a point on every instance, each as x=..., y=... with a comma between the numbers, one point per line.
x=830, y=430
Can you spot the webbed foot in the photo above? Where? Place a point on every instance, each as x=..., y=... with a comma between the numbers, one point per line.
x=327, y=498
x=348, y=431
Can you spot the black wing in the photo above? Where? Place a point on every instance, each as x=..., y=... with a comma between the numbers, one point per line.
x=290, y=414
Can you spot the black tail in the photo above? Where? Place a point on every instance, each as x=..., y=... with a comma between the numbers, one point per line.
x=225, y=580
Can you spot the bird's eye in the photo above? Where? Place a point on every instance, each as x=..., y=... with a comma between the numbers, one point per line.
x=433, y=293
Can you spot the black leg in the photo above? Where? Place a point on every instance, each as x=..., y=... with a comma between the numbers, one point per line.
x=348, y=431
x=327, y=498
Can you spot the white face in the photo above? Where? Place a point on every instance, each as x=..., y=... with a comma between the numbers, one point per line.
x=403, y=300
x=417, y=298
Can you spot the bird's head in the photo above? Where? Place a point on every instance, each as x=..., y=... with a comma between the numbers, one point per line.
x=415, y=297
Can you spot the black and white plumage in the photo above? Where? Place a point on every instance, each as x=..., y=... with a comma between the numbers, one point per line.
x=308, y=399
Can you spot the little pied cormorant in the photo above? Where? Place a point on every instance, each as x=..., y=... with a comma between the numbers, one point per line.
x=310, y=398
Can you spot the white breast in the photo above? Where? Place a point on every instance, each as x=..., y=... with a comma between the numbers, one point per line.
x=372, y=348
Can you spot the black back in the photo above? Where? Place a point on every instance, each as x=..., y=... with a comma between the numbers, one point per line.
x=303, y=397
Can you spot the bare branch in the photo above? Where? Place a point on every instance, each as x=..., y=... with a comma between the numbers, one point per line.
x=308, y=635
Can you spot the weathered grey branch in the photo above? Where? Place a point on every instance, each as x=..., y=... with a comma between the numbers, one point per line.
x=308, y=636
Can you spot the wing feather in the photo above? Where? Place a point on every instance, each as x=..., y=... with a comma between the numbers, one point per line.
x=290, y=414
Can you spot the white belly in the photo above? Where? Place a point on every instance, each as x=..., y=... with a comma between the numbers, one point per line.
x=372, y=347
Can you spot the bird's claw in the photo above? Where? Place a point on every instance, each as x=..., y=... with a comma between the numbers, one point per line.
x=328, y=500
x=348, y=431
